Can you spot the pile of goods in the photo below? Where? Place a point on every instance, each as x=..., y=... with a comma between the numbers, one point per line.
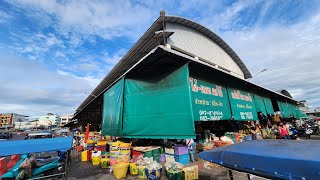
x=181, y=154
x=173, y=170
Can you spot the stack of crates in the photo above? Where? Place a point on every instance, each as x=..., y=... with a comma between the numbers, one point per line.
x=169, y=154
x=90, y=144
x=155, y=154
x=124, y=152
x=114, y=152
x=181, y=154
x=101, y=146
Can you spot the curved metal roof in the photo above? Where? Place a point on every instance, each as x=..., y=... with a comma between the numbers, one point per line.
x=145, y=44
x=214, y=37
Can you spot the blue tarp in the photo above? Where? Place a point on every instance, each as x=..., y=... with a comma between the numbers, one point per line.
x=276, y=159
x=8, y=148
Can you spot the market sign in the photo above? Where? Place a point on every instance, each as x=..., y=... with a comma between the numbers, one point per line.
x=209, y=101
x=242, y=105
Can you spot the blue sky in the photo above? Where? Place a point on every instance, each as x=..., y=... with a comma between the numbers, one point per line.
x=54, y=52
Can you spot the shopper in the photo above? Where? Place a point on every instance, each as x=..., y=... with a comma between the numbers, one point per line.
x=284, y=133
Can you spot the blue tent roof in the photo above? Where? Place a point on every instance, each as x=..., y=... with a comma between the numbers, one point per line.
x=281, y=159
x=8, y=148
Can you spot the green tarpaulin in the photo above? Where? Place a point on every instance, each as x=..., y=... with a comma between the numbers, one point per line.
x=209, y=101
x=260, y=107
x=287, y=109
x=159, y=108
x=268, y=105
x=242, y=105
x=112, y=110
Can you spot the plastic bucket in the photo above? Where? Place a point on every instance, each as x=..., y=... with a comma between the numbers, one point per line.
x=120, y=170
x=174, y=175
x=105, y=162
x=95, y=160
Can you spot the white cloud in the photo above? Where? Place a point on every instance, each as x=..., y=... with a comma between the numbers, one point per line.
x=106, y=19
x=290, y=53
x=32, y=89
x=115, y=58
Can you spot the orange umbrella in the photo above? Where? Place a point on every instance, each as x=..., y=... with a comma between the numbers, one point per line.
x=86, y=136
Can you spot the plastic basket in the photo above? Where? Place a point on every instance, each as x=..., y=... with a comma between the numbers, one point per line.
x=169, y=158
x=174, y=175
x=183, y=159
x=169, y=151
x=105, y=162
x=102, y=143
x=133, y=169
x=148, y=154
x=191, y=173
x=156, y=152
x=141, y=172
x=95, y=160
x=180, y=150
x=162, y=157
x=84, y=156
x=153, y=174
x=120, y=170
x=90, y=141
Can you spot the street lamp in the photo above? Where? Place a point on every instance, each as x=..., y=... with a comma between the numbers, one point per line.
x=258, y=73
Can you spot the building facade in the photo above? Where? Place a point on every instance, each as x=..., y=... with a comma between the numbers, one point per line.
x=9, y=119
x=49, y=120
x=64, y=119
x=178, y=74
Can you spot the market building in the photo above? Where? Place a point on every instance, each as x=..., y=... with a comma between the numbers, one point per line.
x=177, y=76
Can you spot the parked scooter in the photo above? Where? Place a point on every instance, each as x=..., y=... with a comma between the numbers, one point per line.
x=44, y=167
x=304, y=132
x=293, y=133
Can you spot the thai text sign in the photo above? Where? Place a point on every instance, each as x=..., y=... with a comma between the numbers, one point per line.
x=242, y=105
x=209, y=101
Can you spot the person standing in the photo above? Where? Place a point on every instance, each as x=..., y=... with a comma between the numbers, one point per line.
x=284, y=131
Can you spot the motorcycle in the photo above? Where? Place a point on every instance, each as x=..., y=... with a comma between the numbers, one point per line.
x=43, y=167
x=304, y=132
x=293, y=133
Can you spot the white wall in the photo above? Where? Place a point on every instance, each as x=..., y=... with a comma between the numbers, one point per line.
x=200, y=45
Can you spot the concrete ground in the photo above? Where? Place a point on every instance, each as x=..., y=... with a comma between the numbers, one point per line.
x=85, y=170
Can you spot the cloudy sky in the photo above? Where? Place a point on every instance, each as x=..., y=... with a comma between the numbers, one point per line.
x=53, y=53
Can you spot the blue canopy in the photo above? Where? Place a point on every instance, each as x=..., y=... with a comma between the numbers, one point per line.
x=8, y=148
x=276, y=159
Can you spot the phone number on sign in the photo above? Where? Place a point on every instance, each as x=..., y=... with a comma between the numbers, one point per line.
x=210, y=115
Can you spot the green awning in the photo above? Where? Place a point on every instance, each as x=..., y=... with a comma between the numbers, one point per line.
x=285, y=108
x=159, y=107
x=242, y=105
x=268, y=105
x=112, y=110
x=260, y=104
x=209, y=101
